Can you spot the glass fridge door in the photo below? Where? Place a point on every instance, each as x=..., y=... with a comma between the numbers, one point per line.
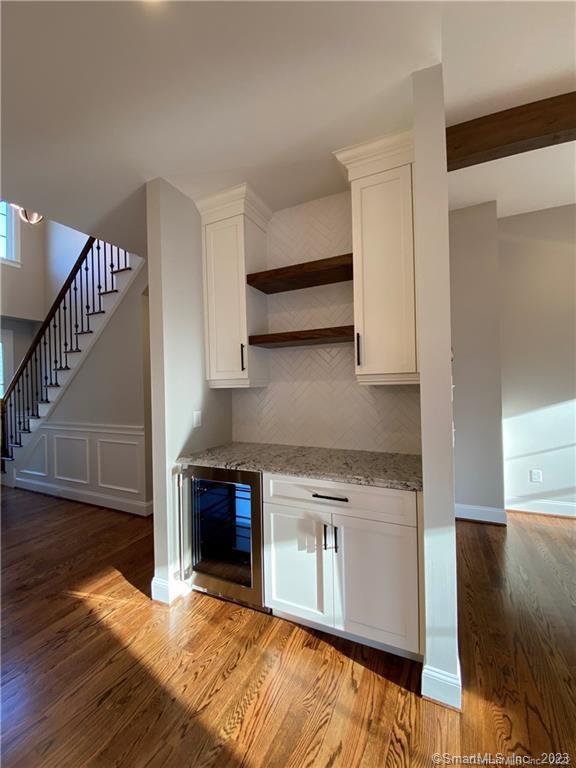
x=222, y=530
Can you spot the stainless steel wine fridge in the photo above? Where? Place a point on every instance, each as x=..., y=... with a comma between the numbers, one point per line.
x=221, y=533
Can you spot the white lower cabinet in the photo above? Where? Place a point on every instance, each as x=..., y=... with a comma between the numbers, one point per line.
x=337, y=569
x=376, y=581
x=298, y=569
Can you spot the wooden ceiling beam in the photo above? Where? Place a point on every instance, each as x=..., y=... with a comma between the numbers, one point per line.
x=520, y=129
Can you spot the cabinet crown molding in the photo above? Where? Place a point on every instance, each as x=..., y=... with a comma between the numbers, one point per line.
x=375, y=156
x=240, y=199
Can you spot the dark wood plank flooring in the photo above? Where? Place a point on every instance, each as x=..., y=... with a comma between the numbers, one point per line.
x=95, y=674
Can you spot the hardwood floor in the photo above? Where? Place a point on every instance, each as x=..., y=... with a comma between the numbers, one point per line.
x=96, y=674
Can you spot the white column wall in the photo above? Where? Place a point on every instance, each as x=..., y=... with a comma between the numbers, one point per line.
x=441, y=675
x=178, y=383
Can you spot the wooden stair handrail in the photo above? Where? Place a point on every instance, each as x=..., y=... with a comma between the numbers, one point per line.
x=49, y=317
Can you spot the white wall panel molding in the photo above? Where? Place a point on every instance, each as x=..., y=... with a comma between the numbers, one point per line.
x=98, y=464
x=40, y=453
x=70, y=463
x=99, y=428
x=115, y=458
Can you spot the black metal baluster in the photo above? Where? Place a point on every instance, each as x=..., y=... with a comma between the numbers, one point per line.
x=47, y=373
x=76, y=324
x=70, y=330
x=36, y=387
x=112, y=284
x=65, y=332
x=27, y=396
x=98, y=256
x=54, y=361
x=105, y=267
x=12, y=421
x=86, y=286
x=92, y=275
x=45, y=378
x=18, y=414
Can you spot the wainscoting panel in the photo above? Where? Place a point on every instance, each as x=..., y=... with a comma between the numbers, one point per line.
x=313, y=397
x=119, y=465
x=37, y=464
x=98, y=464
x=71, y=459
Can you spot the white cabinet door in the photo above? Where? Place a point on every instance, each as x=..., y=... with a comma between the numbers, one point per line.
x=384, y=302
x=225, y=299
x=376, y=581
x=298, y=563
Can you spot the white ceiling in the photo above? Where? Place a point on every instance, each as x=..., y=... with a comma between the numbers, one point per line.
x=99, y=97
x=531, y=181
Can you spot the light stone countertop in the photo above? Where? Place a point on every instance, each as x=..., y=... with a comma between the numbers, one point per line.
x=399, y=471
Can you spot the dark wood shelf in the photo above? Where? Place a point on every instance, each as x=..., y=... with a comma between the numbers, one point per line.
x=337, y=335
x=336, y=269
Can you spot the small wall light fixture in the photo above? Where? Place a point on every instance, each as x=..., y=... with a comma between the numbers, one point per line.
x=30, y=217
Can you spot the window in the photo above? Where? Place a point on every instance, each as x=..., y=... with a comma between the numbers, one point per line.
x=9, y=235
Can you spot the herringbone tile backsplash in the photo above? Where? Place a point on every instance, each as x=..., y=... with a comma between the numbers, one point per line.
x=313, y=397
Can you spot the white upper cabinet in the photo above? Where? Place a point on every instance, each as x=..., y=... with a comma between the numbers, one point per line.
x=234, y=226
x=384, y=281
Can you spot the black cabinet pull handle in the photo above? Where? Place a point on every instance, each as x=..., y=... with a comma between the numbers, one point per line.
x=358, y=350
x=329, y=498
x=242, y=366
x=335, y=538
x=325, y=536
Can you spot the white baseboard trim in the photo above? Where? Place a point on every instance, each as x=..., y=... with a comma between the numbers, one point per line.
x=134, y=507
x=166, y=592
x=481, y=514
x=542, y=507
x=443, y=687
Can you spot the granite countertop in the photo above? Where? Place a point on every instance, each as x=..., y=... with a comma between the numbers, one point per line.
x=399, y=471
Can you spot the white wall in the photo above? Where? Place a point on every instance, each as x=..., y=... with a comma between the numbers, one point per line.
x=21, y=334
x=109, y=386
x=22, y=293
x=62, y=246
x=475, y=309
x=441, y=674
x=538, y=326
x=313, y=397
x=95, y=445
x=47, y=253
x=178, y=380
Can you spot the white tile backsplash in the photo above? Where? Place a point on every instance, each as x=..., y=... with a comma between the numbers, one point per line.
x=313, y=397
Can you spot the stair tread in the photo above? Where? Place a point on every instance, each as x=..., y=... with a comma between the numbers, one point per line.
x=104, y=293
x=117, y=271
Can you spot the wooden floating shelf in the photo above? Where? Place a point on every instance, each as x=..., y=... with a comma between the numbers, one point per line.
x=308, y=274
x=337, y=335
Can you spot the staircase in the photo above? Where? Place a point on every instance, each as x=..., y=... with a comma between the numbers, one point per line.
x=93, y=289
